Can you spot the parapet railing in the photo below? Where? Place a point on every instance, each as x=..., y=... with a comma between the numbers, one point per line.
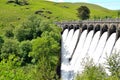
x=90, y=21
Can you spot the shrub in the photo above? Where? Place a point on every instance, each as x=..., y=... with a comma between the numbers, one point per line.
x=113, y=63
x=25, y=48
x=92, y=72
x=9, y=47
x=29, y=29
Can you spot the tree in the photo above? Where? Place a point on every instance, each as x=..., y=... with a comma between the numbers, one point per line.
x=34, y=27
x=118, y=13
x=16, y=1
x=29, y=29
x=83, y=12
x=44, y=46
x=10, y=46
x=25, y=48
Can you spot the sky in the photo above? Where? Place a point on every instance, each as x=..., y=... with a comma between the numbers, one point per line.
x=110, y=4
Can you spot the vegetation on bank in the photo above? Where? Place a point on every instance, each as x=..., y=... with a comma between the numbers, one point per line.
x=30, y=51
x=98, y=72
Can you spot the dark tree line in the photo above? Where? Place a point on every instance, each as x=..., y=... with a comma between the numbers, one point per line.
x=19, y=2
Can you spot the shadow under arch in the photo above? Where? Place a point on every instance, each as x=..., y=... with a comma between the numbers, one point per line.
x=111, y=30
x=65, y=27
x=76, y=27
x=84, y=27
x=90, y=27
x=97, y=28
x=71, y=27
x=104, y=29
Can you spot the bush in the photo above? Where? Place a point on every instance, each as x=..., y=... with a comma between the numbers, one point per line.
x=45, y=70
x=35, y=41
x=8, y=71
x=29, y=29
x=1, y=41
x=113, y=63
x=9, y=32
x=92, y=72
x=25, y=48
x=19, y=2
x=9, y=47
x=46, y=46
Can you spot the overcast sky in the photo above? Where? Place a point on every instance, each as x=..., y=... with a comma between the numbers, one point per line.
x=110, y=4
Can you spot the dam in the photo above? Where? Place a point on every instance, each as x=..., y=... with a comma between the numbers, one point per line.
x=93, y=39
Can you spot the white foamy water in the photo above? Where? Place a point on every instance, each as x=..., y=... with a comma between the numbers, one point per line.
x=63, y=41
x=78, y=50
x=93, y=44
x=73, y=43
x=65, y=51
x=108, y=48
x=107, y=51
x=99, y=49
x=68, y=41
x=116, y=48
x=78, y=67
x=89, y=45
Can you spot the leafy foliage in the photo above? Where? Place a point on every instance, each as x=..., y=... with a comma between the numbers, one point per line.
x=9, y=47
x=83, y=12
x=45, y=70
x=46, y=46
x=1, y=41
x=33, y=53
x=113, y=63
x=9, y=32
x=93, y=72
x=25, y=48
x=29, y=29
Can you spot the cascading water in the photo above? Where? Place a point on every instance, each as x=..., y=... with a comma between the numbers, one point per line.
x=78, y=50
x=64, y=36
x=78, y=67
x=107, y=51
x=77, y=47
x=93, y=45
x=99, y=49
x=65, y=61
x=108, y=48
x=68, y=41
x=116, y=48
x=73, y=43
x=76, y=54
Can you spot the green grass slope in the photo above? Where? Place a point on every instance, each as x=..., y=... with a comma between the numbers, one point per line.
x=15, y=14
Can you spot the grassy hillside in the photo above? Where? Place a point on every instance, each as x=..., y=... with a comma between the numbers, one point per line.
x=14, y=14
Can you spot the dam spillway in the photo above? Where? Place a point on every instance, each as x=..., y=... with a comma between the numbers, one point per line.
x=87, y=39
